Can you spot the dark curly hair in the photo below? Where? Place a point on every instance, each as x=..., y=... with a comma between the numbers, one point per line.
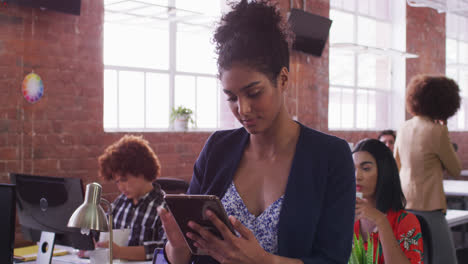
x=436, y=97
x=131, y=154
x=254, y=34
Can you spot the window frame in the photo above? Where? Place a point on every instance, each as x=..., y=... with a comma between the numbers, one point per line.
x=396, y=61
x=458, y=66
x=172, y=73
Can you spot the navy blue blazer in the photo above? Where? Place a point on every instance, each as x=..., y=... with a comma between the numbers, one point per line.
x=317, y=215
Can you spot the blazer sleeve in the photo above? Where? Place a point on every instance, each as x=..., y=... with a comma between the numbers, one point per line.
x=335, y=228
x=396, y=154
x=447, y=154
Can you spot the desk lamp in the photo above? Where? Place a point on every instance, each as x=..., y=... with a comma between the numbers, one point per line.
x=90, y=214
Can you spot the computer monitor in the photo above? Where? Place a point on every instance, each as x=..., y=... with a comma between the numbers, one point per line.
x=7, y=222
x=45, y=204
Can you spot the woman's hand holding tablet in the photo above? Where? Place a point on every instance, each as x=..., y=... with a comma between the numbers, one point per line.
x=194, y=208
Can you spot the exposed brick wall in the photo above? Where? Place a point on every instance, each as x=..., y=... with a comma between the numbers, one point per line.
x=425, y=36
x=308, y=90
x=62, y=134
x=429, y=44
x=355, y=136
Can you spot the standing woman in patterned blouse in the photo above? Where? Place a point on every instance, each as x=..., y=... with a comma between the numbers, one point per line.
x=380, y=214
x=289, y=190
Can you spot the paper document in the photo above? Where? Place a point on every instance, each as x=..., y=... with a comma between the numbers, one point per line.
x=30, y=253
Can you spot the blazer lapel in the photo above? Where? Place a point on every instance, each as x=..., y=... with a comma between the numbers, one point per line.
x=302, y=203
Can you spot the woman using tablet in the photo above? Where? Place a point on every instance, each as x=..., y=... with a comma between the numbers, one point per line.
x=290, y=190
x=380, y=215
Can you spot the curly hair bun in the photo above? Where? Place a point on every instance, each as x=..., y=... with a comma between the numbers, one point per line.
x=255, y=19
x=253, y=33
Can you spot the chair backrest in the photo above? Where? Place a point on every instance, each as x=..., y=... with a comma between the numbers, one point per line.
x=426, y=235
x=173, y=185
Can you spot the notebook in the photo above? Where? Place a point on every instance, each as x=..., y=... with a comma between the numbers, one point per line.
x=30, y=253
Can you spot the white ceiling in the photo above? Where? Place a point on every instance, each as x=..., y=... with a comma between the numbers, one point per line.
x=459, y=7
x=152, y=13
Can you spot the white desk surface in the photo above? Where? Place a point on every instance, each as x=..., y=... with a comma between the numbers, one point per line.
x=74, y=259
x=456, y=217
x=456, y=188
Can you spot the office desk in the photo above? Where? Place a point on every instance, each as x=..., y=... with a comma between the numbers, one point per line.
x=456, y=217
x=464, y=173
x=74, y=259
x=455, y=188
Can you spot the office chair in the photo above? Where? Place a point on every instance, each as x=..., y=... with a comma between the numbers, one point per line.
x=173, y=185
x=426, y=235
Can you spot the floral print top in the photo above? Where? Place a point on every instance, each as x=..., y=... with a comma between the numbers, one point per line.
x=263, y=226
x=407, y=232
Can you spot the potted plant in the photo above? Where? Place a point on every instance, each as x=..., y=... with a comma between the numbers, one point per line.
x=359, y=255
x=180, y=117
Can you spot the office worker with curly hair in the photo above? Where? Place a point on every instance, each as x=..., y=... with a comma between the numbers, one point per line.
x=423, y=151
x=289, y=190
x=133, y=166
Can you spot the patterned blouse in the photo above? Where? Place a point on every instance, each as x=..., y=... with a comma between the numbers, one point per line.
x=407, y=231
x=264, y=226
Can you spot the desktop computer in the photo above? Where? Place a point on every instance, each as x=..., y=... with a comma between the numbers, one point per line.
x=44, y=206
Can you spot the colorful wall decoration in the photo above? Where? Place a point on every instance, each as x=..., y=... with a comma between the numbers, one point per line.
x=33, y=88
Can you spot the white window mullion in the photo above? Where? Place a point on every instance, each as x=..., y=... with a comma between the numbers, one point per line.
x=172, y=57
x=361, y=62
x=341, y=108
x=118, y=98
x=356, y=69
x=195, y=112
x=456, y=28
x=161, y=67
x=144, y=99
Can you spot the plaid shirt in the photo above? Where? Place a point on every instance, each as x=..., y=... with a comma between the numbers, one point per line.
x=142, y=218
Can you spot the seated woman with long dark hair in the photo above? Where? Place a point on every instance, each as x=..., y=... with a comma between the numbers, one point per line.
x=380, y=214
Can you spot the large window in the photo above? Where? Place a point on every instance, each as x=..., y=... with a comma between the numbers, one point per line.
x=457, y=64
x=158, y=55
x=363, y=55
